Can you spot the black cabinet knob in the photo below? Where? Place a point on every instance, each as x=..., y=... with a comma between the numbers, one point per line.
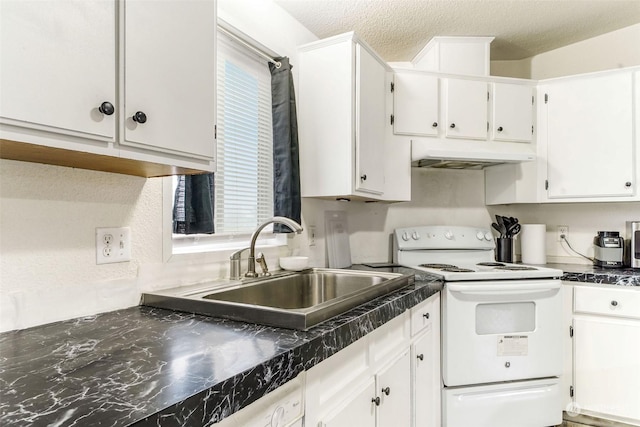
x=434, y=125
x=452, y=125
x=627, y=184
x=363, y=177
x=376, y=400
x=499, y=128
x=386, y=391
x=139, y=117
x=420, y=357
x=614, y=303
x=425, y=315
x=106, y=108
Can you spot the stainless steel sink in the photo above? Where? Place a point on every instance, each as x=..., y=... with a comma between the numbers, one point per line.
x=291, y=300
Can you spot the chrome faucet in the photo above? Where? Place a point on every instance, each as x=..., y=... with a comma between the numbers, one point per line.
x=251, y=265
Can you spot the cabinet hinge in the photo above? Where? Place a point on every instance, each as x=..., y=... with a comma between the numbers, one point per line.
x=392, y=119
x=531, y=130
x=215, y=131
x=392, y=87
x=487, y=96
x=571, y=331
x=487, y=126
x=546, y=184
x=533, y=100
x=546, y=98
x=570, y=391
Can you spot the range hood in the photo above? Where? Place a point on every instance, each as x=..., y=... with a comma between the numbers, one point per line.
x=468, y=154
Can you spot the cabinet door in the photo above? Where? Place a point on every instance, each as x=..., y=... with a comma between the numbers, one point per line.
x=169, y=75
x=606, y=370
x=357, y=411
x=58, y=65
x=466, y=108
x=394, y=388
x=590, y=137
x=512, y=112
x=370, y=122
x=415, y=104
x=426, y=372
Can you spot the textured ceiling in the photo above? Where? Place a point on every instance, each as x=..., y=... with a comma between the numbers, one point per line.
x=399, y=29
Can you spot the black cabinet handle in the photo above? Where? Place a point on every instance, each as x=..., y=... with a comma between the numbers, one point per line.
x=420, y=357
x=139, y=117
x=452, y=125
x=386, y=391
x=376, y=400
x=425, y=315
x=106, y=108
x=499, y=128
x=434, y=125
x=363, y=177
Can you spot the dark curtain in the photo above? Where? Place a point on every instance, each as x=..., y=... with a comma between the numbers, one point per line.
x=193, y=204
x=286, y=164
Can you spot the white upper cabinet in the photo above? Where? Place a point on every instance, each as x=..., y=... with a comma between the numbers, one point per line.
x=343, y=123
x=121, y=86
x=465, y=108
x=370, y=121
x=512, y=112
x=169, y=76
x=590, y=137
x=58, y=66
x=416, y=103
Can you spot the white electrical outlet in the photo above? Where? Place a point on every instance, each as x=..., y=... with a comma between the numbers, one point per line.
x=113, y=245
x=563, y=230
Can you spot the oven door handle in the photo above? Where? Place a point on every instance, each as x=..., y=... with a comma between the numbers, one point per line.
x=502, y=289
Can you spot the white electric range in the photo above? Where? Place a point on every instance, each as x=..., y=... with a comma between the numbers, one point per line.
x=501, y=340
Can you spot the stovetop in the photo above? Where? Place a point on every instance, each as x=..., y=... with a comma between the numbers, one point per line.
x=457, y=253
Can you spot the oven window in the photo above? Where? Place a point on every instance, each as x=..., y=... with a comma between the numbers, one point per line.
x=506, y=317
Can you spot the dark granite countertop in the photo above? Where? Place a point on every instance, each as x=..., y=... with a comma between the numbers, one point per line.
x=591, y=274
x=143, y=366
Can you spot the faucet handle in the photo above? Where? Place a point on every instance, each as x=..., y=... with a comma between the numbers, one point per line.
x=234, y=264
x=263, y=264
x=237, y=255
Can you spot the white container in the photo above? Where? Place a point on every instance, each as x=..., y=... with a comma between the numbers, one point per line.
x=533, y=243
x=294, y=263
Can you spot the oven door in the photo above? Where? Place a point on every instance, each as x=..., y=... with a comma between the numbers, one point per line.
x=495, y=331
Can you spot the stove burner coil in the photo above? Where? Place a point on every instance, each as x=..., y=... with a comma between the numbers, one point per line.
x=457, y=270
x=491, y=264
x=515, y=268
x=438, y=266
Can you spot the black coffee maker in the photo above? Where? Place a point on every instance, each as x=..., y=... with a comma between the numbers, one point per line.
x=608, y=249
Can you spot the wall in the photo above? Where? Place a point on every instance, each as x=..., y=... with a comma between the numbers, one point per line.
x=617, y=49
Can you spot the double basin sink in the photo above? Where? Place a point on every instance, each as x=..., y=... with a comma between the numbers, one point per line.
x=295, y=300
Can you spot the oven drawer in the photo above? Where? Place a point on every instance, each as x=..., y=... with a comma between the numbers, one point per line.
x=616, y=301
x=524, y=404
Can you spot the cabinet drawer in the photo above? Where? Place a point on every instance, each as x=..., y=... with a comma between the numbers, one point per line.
x=611, y=302
x=424, y=314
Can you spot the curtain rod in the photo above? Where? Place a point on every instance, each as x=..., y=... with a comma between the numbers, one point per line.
x=248, y=45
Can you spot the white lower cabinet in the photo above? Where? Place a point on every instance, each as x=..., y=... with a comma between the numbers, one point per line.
x=283, y=407
x=606, y=345
x=376, y=382
x=425, y=363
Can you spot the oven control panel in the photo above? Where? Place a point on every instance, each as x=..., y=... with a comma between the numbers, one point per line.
x=443, y=237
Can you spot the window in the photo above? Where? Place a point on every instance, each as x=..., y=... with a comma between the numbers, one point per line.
x=244, y=180
x=244, y=177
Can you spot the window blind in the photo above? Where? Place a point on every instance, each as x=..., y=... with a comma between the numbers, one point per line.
x=244, y=176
